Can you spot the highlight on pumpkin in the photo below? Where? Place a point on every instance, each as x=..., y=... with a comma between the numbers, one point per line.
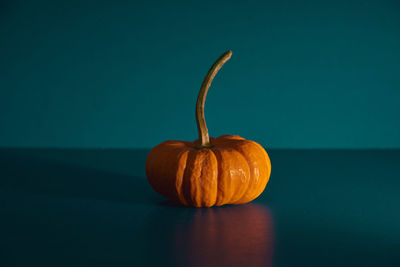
x=209, y=171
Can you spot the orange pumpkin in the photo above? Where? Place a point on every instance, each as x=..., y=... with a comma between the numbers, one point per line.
x=207, y=172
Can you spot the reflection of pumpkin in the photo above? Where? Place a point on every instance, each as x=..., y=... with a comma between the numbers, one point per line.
x=208, y=172
x=229, y=236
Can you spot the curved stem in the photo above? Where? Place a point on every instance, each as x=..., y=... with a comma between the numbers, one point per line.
x=204, y=139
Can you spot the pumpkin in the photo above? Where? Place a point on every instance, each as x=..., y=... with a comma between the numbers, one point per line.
x=209, y=171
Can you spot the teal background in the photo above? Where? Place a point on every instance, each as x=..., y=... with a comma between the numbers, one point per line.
x=304, y=74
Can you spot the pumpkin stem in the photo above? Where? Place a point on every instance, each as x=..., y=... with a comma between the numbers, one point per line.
x=204, y=139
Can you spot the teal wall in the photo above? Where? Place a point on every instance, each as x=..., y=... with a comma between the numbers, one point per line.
x=304, y=74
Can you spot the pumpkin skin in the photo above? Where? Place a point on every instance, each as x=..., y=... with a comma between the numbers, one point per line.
x=233, y=171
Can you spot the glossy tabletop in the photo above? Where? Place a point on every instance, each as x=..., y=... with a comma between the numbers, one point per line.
x=77, y=207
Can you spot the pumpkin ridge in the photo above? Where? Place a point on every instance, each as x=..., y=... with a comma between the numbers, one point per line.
x=268, y=163
x=152, y=159
x=185, y=187
x=199, y=196
x=180, y=176
x=248, y=147
x=206, y=193
x=220, y=192
x=160, y=179
x=199, y=182
x=229, y=185
x=233, y=198
x=218, y=174
x=250, y=173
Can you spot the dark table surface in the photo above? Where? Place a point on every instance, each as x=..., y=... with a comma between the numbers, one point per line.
x=77, y=207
